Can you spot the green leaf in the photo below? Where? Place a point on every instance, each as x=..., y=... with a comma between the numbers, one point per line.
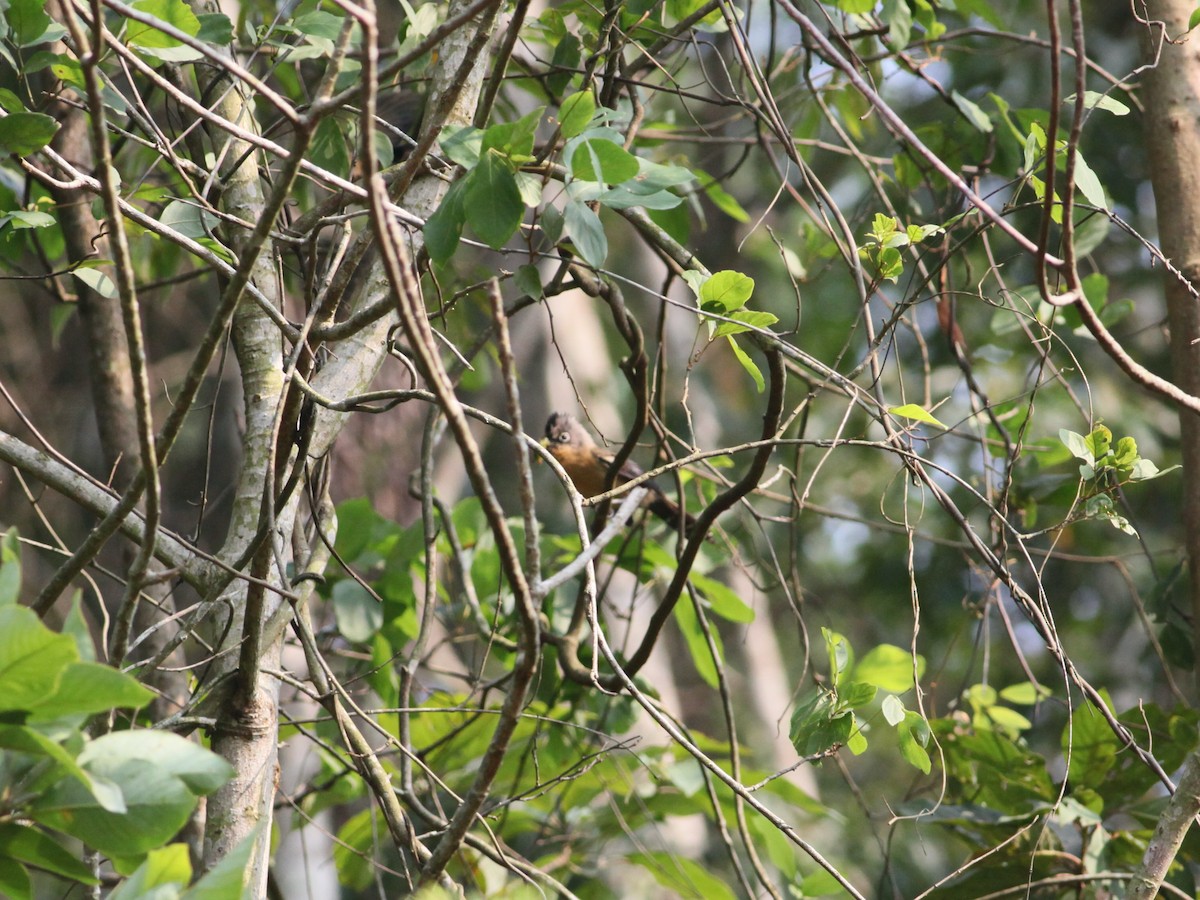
x=528, y=280
x=97, y=281
x=724, y=602
x=30, y=25
x=973, y=112
x=584, y=228
x=359, y=615
x=748, y=364
x=513, y=139
x=443, y=230
x=702, y=659
x=893, y=710
x=33, y=848
x=914, y=737
x=14, y=881
x=32, y=658
x=20, y=739
x=463, y=144
x=1087, y=182
x=23, y=133
x=215, y=28
x=1096, y=100
x=171, y=12
x=198, y=768
x=88, y=687
x=889, y=667
x=28, y=218
x=158, y=806
x=603, y=161
x=917, y=413
x=818, y=724
x=10, y=567
x=1077, y=445
x=1194, y=19
x=226, y=880
x=564, y=62
x=899, y=18
x=188, y=219
x=726, y=291
x=1025, y=693
x=745, y=320
x=164, y=867
x=681, y=876
x=575, y=113
x=329, y=148
x=492, y=201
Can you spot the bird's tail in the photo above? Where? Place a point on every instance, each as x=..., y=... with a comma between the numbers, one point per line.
x=668, y=510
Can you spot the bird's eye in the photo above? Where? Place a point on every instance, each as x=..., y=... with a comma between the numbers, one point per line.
x=563, y=437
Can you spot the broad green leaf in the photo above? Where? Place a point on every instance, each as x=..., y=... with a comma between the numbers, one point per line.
x=158, y=806
x=226, y=880
x=584, y=228
x=492, y=201
x=1096, y=100
x=188, y=219
x=748, y=364
x=201, y=770
x=682, y=877
x=171, y=12
x=892, y=709
x=528, y=280
x=899, y=18
x=745, y=320
x=33, y=848
x=817, y=724
x=443, y=230
x=359, y=615
x=889, y=667
x=513, y=139
x=575, y=113
x=1077, y=445
x=724, y=602
x=23, y=133
x=856, y=741
x=463, y=144
x=917, y=413
x=215, y=28
x=20, y=739
x=914, y=737
x=329, y=148
x=603, y=161
x=30, y=25
x=1087, y=182
x=725, y=202
x=565, y=61
x=88, y=687
x=689, y=626
x=972, y=111
x=1026, y=693
x=10, y=567
x=98, y=281
x=32, y=658
x=28, y=218
x=726, y=291
x=14, y=880
x=164, y=867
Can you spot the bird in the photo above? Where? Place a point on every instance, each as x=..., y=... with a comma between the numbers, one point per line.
x=588, y=464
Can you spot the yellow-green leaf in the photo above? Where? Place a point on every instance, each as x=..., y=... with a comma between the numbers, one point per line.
x=917, y=413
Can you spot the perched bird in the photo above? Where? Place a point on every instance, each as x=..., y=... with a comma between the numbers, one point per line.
x=588, y=464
